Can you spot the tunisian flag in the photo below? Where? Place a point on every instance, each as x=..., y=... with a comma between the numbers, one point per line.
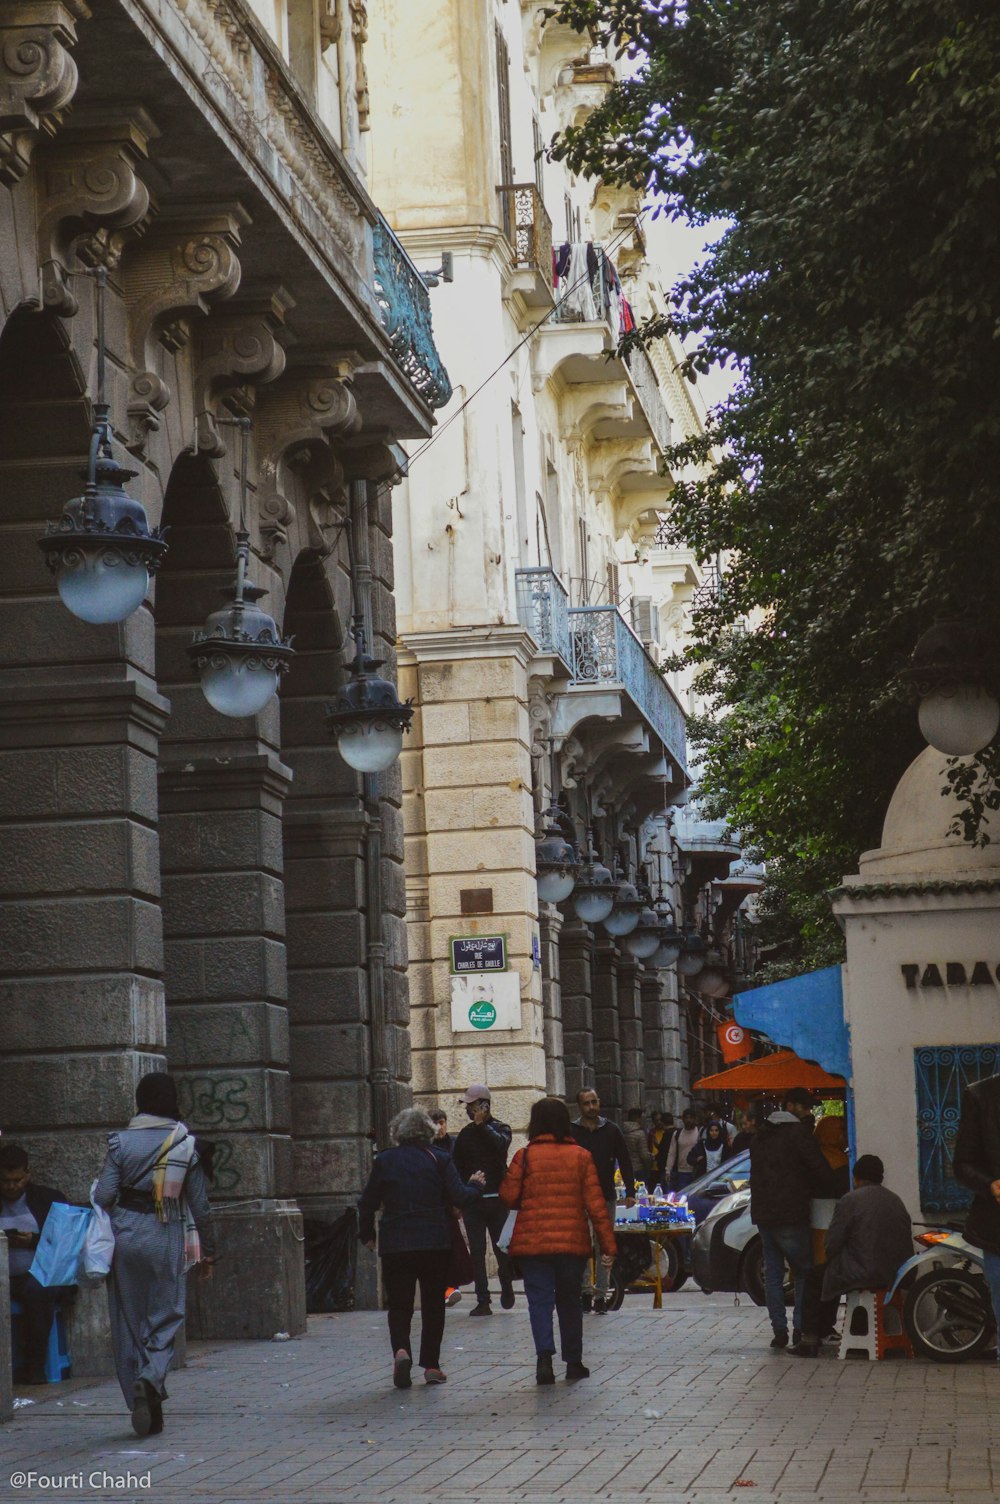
x=734, y=1042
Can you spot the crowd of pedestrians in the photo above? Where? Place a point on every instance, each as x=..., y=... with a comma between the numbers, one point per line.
x=435, y=1202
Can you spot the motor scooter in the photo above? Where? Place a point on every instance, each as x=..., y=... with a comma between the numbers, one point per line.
x=947, y=1310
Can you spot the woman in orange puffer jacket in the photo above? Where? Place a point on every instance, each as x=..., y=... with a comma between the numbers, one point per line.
x=554, y=1186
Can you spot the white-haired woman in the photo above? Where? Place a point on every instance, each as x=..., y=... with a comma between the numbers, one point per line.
x=415, y=1185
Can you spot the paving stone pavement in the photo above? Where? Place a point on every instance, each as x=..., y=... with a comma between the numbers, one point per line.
x=317, y=1421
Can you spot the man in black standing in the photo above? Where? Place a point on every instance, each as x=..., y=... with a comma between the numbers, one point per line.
x=483, y=1144
x=787, y=1170
x=606, y=1143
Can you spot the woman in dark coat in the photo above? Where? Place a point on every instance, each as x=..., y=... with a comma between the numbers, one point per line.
x=154, y=1187
x=416, y=1185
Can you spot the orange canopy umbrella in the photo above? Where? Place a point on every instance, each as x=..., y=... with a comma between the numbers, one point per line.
x=773, y=1074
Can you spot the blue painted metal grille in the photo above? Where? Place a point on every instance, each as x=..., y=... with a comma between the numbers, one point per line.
x=942, y=1075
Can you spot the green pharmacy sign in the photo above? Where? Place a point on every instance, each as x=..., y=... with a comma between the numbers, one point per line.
x=482, y=1014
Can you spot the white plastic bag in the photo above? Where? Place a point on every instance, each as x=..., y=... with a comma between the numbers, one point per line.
x=98, y=1245
x=507, y=1232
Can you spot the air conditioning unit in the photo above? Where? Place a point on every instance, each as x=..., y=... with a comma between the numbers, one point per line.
x=645, y=619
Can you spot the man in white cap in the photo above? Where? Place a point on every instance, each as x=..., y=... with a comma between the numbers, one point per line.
x=483, y=1145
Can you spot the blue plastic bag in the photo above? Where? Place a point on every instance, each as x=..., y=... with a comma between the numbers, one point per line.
x=57, y=1256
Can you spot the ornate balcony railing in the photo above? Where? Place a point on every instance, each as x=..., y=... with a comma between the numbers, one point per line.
x=528, y=227
x=606, y=652
x=405, y=306
x=543, y=609
x=647, y=389
x=710, y=589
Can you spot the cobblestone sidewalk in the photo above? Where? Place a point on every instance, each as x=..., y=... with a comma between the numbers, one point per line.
x=686, y=1404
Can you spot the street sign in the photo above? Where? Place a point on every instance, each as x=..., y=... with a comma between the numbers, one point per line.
x=471, y=953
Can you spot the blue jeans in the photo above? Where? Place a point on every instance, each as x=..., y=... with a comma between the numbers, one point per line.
x=991, y=1268
x=552, y=1282
x=794, y=1244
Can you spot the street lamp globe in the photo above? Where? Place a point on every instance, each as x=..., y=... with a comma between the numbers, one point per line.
x=368, y=718
x=625, y=915
x=239, y=654
x=644, y=940
x=556, y=864
x=594, y=893
x=952, y=670
x=692, y=957
x=102, y=550
x=713, y=982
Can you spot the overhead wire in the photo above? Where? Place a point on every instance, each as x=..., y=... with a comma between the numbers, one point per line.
x=612, y=245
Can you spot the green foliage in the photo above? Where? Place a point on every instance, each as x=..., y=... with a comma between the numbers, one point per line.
x=852, y=148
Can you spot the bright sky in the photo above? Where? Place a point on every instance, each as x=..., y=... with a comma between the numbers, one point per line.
x=674, y=247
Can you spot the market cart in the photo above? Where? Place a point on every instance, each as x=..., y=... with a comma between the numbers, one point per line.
x=642, y=1245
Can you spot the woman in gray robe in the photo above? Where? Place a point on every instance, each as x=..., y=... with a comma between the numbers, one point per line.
x=153, y=1184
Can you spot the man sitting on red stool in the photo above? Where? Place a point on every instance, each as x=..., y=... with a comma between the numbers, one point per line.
x=23, y=1210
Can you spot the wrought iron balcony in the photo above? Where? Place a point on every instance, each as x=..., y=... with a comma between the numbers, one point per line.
x=607, y=654
x=405, y=307
x=529, y=229
x=543, y=609
x=647, y=389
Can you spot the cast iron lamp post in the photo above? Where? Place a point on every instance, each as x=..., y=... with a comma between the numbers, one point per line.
x=102, y=550
x=367, y=718
x=240, y=653
x=556, y=860
x=952, y=670
x=594, y=892
x=628, y=907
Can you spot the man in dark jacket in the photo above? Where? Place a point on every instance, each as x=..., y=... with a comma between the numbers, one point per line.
x=605, y=1142
x=870, y=1235
x=483, y=1144
x=24, y=1207
x=787, y=1170
x=977, y=1166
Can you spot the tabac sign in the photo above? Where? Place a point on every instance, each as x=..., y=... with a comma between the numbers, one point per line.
x=949, y=974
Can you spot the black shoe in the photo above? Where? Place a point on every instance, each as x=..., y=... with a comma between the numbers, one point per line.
x=155, y=1417
x=143, y=1398
x=576, y=1371
x=600, y=1306
x=483, y=1308
x=401, y=1366
x=506, y=1297
x=804, y=1350
x=780, y=1339
x=586, y=1302
x=543, y=1369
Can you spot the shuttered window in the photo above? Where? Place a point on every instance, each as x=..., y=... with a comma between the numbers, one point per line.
x=503, y=105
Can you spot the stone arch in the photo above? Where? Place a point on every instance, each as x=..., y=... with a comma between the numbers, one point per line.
x=324, y=854
x=81, y=1005
x=221, y=788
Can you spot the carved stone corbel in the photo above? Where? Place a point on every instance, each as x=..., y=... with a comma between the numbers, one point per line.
x=297, y=421
x=38, y=77
x=90, y=197
x=187, y=263
x=238, y=349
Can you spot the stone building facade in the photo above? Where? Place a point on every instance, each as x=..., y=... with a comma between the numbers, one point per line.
x=222, y=896
x=535, y=602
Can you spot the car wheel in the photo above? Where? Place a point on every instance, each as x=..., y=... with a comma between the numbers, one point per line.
x=752, y=1272
x=947, y=1315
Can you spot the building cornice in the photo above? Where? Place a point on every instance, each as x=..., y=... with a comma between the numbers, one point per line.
x=911, y=888
x=468, y=643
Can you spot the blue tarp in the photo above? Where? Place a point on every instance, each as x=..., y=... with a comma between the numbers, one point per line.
x=805, y=1014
